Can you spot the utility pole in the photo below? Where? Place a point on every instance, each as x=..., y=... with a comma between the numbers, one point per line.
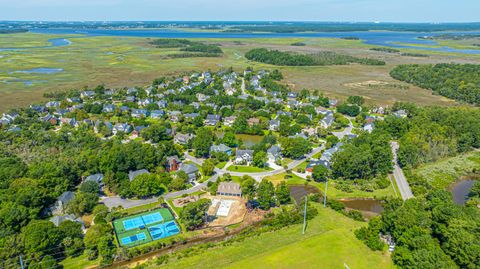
x=325, y=196
x=21, y=262
x=305, y=216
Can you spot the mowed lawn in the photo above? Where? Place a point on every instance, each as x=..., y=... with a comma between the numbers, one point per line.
x=329, y=242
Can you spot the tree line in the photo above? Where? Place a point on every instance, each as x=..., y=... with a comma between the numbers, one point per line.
x=460, y=82
x=277, y=57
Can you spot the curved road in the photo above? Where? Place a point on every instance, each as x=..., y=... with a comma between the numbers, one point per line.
x=115, y=201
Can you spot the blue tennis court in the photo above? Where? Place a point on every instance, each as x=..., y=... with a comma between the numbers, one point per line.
x=172, y=228
x=152, y=218
x=133, y=238
x=163, y=230
x=157, y=231
x=134, y=223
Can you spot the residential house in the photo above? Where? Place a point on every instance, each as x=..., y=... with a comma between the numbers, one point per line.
x=310, y=131
x=60, y=205
x=228, y=121
x=191, y=170
x=57, y=220
x=122, y=127
x=52, y=104
x=131, y=91
x=221, y=148
x=162, y=103
x=400, y=113
x=73, y=100
x=229, y=189
x=174, y=116
x=313, y=163
x=157, y=114
x=145, y=102
x=173, y=163
x=68, y=121
x=139, y=113
x=50, y=119
x=137, y=131
x=333, y=102
x=10, y=117
x=253, y=121
x=96, y=178
x=273, y=125
x=38, y=108
x=244, y=157
x=274, y=154
x=327, y=120
x=182, y=139
x=133, y=174
x=191, y=116
x=212, y=119
x=109, y=108
x=130, y=99
x=369, y=127
x=87, y=94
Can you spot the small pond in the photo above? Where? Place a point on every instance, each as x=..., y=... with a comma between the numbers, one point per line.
x=41, y=70
x=460, y=191
x=300, y=191
x=365, y=205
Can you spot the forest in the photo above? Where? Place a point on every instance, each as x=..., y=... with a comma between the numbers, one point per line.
x=186, y=45
x=430, y=231
x=276, y=57
x=460, y=82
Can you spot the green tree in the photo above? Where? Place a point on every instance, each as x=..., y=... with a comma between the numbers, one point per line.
x=82, y=203
x=208, y=167
x=260, y=159
x=90, y=187
x=41, y=237
x=265, y=194
x=295, y=148
x=282, y=193
x=202, y=142
x=320, y=173
x=146, y=185
x=193, y=214
x=249, y=187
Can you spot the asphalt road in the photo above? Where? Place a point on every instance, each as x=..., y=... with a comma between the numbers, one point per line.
x=400, y=178
x=116, y=201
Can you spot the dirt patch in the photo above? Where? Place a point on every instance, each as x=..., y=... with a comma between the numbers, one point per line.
x=236, y=213
x=181, y=202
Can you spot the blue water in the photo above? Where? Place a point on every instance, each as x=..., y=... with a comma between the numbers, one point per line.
x=377, y=38
x=55, y=42
x=41, y=70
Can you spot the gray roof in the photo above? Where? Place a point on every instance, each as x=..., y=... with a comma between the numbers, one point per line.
x=189, y=168
x=95, y=177
x=66, y=197
x=57, y=220
x=219, y=148
x=242, y=152
x=230, y=188
x=274, y=150
x=134, y=174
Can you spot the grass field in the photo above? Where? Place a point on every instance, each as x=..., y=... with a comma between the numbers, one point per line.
x=329, y=242
x=332, y=191
x=247, y=169
x=130, y=61
x=443, y=173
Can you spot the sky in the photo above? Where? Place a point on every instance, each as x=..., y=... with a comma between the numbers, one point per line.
x=243, y=10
